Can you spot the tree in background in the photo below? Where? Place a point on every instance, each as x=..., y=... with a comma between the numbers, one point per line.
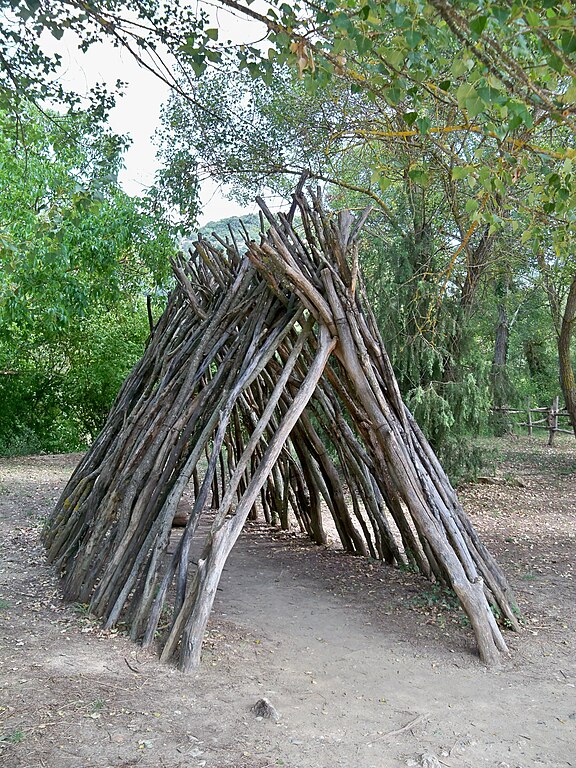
x=480, y=94
x=77, y=258
x=425, y=299
x=488, y=91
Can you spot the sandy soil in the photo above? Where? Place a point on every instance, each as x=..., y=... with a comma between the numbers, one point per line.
x=367, y=666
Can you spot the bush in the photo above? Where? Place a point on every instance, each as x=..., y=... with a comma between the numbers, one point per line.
x=462, y=459
x=57, y=396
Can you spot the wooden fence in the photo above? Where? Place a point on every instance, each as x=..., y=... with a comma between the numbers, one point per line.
x=549, y=418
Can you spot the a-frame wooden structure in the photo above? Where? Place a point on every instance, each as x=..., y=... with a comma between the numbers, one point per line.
x=265, y=386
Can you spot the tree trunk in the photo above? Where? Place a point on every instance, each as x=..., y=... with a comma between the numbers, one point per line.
x=500, y=382
x=564, y=322
x=478, y=260
x=567, y=379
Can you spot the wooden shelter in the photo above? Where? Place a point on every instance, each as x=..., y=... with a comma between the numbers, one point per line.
x=266, y=386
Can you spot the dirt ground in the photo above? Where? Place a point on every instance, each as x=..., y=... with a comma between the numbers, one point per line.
x=368, y=666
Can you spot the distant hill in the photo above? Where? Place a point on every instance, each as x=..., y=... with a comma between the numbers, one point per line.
x=251, y=221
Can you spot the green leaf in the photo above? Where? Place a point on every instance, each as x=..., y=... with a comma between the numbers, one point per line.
x=199, y=67
x=478, y=25
x=419, y=176
x=381, y=180
x=424, y=125
x=469, y=100
x=569, y=97
x=459, y=68
x=532, y=19
x=342, y=22
x=394, y=57
x=212, y=33
x=500, y=13
x=364, y=12
x=214, y=56
x=413, y=38
x=485, y=178
x=490, y=96
x=189, y=47
x=568, y=42
x=555, y=62
x=520, y=115
x=410, y=117
x=462, y=172
x=394, y=95
x=253, y=69
x=363, y=44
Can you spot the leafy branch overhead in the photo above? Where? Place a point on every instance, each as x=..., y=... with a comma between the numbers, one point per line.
x=491, y=89
x=452, y=76
x=77, y=255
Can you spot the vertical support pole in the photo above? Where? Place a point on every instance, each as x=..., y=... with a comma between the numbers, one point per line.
x=553, y=420
x=529, y=420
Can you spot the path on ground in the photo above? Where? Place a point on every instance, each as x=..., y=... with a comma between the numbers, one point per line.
x=363, y=669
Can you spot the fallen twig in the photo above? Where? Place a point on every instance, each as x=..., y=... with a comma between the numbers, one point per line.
x=137, y=671
x=398, y=731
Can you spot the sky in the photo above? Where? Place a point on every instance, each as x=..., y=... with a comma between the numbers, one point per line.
x=137, y=113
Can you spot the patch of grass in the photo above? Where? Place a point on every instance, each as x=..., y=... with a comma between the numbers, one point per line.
x=15, y=737
x=439, y=601
x=4, y=604
x=501, y=619
x=409, y=567
x=567, y=469
x=37, y=519
x=437, y=596
x=528, y=576
x=82, y=609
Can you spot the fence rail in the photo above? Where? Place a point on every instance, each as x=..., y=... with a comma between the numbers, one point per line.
x=550, y=421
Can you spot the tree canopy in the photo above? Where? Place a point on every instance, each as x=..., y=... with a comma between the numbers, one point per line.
x=77, y=256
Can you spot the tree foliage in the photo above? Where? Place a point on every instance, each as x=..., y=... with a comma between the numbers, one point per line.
x=481, y=99
x=75, y=252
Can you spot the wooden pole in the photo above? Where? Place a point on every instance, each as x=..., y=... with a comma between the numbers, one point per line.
x=236, y=371
x=553, y=420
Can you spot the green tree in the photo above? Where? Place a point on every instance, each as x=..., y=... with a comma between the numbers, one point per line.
x=488, y=91
x=73, y=248
x=31, y=73
x=285, y=129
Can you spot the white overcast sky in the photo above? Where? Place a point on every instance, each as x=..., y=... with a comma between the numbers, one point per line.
x=137, y=113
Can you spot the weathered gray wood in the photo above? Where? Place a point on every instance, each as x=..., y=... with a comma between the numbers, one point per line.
x=225, y=531
x=553, y=420
x=266, y=385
